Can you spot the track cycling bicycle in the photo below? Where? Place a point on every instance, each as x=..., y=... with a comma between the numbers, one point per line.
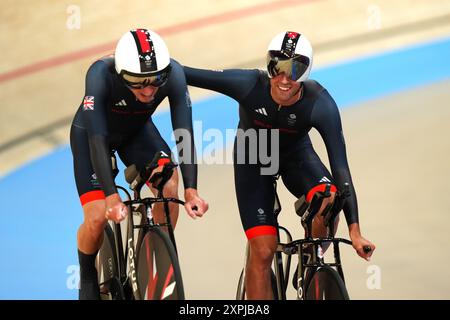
x=314, y=278
x=144, y=264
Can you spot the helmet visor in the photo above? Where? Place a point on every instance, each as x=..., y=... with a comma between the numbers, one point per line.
x=139, y=81
x=293, y=67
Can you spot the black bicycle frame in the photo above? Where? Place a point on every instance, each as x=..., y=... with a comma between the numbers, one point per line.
x=129, y=254
x=296, y=247
x=279, y=271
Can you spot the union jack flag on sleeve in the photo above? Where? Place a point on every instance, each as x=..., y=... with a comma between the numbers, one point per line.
x=88, y=103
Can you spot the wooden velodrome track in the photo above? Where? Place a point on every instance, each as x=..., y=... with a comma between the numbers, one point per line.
x=397, y=149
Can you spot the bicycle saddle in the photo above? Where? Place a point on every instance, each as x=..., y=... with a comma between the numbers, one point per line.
x=306, y=209
x=137, y=178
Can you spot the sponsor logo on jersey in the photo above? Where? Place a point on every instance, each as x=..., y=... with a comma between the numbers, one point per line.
x=261, y=216
x=262, y=111
x=324, y=179
x=292, y=119
x=94, y=180
x=121, y=103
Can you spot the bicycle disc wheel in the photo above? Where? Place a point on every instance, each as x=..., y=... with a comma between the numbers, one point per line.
x=240, y=292
x=326, y=284
x=106, y=265
x=158, y=270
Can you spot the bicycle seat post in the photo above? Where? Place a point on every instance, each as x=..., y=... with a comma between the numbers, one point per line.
x=331, y=227
x=169, y=222
x=115, y=169
x=308, y=230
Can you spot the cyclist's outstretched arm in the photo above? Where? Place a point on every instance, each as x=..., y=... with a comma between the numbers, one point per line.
x=181, y=114
x=235, y=83
x=326, y=119
x=94, y=120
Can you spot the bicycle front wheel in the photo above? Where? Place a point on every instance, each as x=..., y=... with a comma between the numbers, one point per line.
x=241, y=292
x=107, y=270
x=158, y=270
x=326, y=284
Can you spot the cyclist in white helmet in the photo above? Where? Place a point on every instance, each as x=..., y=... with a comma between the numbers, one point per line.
x=122, y=92
x=282, y=98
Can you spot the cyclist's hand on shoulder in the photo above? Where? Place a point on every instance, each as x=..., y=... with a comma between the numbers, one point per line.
x=363, y=247
x=194, y=205
x=116, y=210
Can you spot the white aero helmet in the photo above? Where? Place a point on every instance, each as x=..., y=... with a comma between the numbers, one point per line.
x=142, y=59
x=290, y=53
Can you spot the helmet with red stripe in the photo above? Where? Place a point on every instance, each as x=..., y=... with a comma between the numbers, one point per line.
x=142, y=59
x=290, y=53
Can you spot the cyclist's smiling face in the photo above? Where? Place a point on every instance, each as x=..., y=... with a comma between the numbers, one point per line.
x=283, y=90
x=146, y=94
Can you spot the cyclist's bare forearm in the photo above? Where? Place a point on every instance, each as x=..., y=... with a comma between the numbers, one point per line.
x=363, y=247
x=354, y=230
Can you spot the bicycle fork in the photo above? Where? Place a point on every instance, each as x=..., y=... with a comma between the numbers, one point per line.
x=131, y=254
x=300, y=279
